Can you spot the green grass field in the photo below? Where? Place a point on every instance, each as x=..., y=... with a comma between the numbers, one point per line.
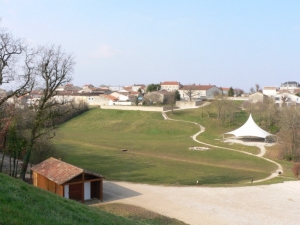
x=157, y=149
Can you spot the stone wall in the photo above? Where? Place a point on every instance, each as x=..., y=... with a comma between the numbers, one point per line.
x=184, y=104
x=140, y=108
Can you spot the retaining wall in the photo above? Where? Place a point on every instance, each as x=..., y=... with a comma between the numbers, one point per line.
x=140, y=108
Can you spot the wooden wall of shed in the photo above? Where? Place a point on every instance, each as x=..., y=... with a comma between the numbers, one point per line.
x=46, y=184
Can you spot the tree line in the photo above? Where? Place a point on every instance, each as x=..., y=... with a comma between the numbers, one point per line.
x=25, y=132
x=284, y=122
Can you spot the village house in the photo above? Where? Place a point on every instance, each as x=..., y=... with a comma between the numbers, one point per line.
x=257, y=97
x=198, y=92
x=170, y=85
x=270, y=91
x=156, y=96
x=289, y=86
x=225, y=90
x=67, y=180
x=286, y=98
x=107, y=100
x=137, y=87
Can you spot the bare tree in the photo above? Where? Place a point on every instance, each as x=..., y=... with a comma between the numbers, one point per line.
x=257, y=88
x=290, y=133
x=220, y=103
x=16, y=65
x=296, y=169
x=54, y=68
x=6, y=114
x=171, y=99
x=238, y=92
x=190, y=91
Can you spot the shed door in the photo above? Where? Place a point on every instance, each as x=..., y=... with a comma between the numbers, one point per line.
x=66, y=191
x=75, y=191
x=95, y=189
x=87, y=190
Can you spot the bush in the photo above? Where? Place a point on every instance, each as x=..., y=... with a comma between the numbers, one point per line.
x=296, y=169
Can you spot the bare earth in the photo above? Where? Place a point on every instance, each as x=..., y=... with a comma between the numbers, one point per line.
x=276, y=204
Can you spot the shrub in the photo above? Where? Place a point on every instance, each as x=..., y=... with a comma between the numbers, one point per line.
x=296, y=169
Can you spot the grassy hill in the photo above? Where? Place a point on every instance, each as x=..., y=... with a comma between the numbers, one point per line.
x=157, y=149
x=21, y=203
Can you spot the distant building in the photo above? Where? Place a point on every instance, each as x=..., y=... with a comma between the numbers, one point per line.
x=170, y=85
x=225, y=90
x=270, y=91
x=289, y=85
x=257, y=97
x=198, y=92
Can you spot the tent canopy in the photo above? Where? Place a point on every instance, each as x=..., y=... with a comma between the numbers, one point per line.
x=250, y=129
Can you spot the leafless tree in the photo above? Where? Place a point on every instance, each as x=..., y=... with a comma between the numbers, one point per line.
x=190, y=91
x=171, y=100
x=290, y=132
x=257, y=88
x=296, y=169
x=54, y=68
x=16, y=65
x=220, y=102
x=238, y=92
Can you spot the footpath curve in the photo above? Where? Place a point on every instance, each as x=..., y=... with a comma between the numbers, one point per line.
x=260, y=155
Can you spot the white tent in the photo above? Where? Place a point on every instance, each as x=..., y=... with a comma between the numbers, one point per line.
x=250, y=129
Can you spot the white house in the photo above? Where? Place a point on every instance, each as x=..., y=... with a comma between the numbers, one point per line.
x=170, y=85
x=199, y=92
x=289, y=85
x=107, y=100
x=270, y=91
x=287, y=98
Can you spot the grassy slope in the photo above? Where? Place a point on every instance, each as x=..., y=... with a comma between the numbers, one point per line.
x=157, y=150
x=24, y=204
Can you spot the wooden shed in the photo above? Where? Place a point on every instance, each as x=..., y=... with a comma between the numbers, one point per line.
x=67, y=180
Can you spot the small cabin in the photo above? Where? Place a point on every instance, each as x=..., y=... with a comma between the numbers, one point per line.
x=67, y=180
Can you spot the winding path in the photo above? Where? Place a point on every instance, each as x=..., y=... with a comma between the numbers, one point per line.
x=260, y=145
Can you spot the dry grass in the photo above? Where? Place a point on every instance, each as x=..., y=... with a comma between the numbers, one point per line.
x=138, y=213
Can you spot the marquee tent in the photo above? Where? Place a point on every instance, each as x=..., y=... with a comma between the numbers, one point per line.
x=250, y=129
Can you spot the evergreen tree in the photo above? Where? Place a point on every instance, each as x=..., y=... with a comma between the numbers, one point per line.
x=231, y=92
x=177, y=95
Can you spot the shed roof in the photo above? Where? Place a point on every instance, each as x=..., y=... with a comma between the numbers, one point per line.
x=58, y=171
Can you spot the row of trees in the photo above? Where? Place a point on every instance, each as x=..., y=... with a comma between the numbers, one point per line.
x=282, y=121
x=24, y=67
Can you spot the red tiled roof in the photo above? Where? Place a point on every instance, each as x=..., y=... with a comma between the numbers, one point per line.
x=196, y=87
x=128, y=88
x=57, y=171
x=170, y=83
x=110, y=97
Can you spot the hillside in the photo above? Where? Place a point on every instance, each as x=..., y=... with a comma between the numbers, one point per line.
x=157, y=150
x=24, y=204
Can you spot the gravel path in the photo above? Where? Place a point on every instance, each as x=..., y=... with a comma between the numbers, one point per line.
x=276, y=204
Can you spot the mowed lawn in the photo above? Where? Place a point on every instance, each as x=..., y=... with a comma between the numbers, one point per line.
x=157, y=150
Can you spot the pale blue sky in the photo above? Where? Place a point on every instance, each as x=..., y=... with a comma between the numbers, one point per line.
x=227, y=43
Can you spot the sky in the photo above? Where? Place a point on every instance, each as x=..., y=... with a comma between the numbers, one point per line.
x=230, y=43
